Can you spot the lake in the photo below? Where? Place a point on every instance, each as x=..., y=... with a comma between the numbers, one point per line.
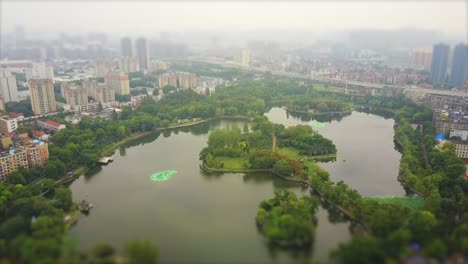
x=199, y=217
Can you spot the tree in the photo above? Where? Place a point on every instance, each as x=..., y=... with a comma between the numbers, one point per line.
x=282, y=167
x=421, y=225
x=63, y=198
x=360, y=250
x=103, y=250
x=141, y=251
x=436, y=249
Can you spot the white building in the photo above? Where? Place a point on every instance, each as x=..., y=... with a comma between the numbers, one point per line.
x=462, y=134
x=8, y=125
x=245, y=57
x=8, y=87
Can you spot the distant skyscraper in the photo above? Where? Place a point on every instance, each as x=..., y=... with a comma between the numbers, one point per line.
x=40, y=71
x=459, y=65
x=440, y=54
x=245, y=57
x=42, y=96
x=19, y=35
x=142, y=53
x=126, y=47
x=8, y=87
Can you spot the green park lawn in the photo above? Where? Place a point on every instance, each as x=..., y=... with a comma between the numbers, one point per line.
x=413, y=203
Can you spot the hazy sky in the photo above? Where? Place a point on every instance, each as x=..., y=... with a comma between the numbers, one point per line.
x=124, y=17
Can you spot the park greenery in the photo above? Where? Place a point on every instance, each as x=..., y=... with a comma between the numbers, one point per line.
x=232, y=149
x=210, y=70
x=288, y=221
x=33, y=206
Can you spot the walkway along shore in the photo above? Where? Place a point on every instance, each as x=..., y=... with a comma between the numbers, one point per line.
x=345, y=212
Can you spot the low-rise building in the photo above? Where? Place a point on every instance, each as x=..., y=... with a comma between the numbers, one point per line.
x=40, y=135
x=461, y=149
x=50, y=125
x=11, y=161
x=8, y=125
x=31, y=154
x=461, y=134
x=37, y=152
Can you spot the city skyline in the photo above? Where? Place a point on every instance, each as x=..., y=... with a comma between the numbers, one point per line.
x=151, y=18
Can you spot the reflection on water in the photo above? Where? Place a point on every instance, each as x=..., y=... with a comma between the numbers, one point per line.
x=211, y=216
x=366, y=160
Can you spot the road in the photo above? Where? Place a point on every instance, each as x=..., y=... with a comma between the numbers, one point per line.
x=230, y=64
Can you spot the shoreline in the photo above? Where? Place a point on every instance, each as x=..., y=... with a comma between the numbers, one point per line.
x=319, y=114
x=322, y=197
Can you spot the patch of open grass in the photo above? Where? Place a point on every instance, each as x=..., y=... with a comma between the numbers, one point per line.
x=233, y=163
x=413, y=203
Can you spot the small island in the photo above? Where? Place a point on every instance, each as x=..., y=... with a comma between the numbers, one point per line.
x=268, y=147
x=288, y=221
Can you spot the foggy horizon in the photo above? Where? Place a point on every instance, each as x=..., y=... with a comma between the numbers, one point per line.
x=148, y=19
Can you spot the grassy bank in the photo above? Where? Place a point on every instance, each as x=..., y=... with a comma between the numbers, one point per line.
x=293, y=153
x=413, y=203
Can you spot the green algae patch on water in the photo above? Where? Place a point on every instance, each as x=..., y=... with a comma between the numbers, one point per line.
x=316, y=124
x=163, y=175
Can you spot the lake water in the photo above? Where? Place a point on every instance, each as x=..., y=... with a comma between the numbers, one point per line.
x=198, y=217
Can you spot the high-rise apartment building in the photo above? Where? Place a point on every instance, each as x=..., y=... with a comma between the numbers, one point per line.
x=182, y=80
x=118, y=81
x=245, y=56
x=104, y=93
x=459, y=65
x=143, y=53
x=126, y=48
x=440, y=54
x=422, y=57
x=102, y=67
x=8, y=87
x=90, y=87
x=129, y=64
x=42, y=96
x=76, y=96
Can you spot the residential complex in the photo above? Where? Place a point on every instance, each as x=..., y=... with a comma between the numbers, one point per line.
x=183, y=80
x=422, y=57
x=42, y=96
x=459, y=65
x=76, y=96
x=119, y=82
x=129, y=64
x=31, y=154
x=104, y=93
x=102, y=67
